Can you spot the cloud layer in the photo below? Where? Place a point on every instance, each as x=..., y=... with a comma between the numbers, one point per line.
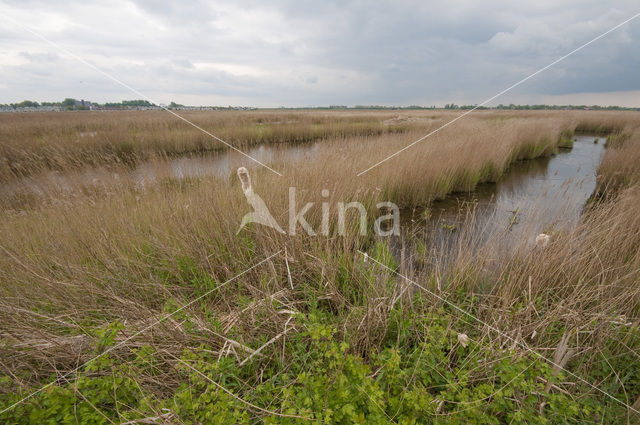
x=306, y=53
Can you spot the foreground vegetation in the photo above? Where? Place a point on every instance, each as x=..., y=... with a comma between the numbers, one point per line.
x=314, y=333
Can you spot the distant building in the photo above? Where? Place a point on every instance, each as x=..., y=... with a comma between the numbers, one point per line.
x=83, y=104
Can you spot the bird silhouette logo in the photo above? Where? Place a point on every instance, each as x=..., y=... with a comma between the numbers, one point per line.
x=260, y=213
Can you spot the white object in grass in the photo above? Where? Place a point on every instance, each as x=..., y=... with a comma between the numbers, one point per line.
x=542, y=240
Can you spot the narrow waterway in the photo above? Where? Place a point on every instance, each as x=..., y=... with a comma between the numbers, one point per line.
x=51, y=184
x=534, y=196
x=540, y=195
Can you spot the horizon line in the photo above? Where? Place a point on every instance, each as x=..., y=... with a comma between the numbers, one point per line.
x=88, y=105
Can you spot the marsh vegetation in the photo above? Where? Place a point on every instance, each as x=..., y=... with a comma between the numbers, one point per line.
x=314, y=334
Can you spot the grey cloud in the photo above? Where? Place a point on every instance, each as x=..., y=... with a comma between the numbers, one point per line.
x=291, y=52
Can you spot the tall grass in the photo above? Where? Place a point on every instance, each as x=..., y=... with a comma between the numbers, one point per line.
x=81, y=260
x=59, y=141
x=478, y=149
x=32, y=143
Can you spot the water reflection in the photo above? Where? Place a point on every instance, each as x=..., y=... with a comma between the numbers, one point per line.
x=535, y=196
x=50, y=184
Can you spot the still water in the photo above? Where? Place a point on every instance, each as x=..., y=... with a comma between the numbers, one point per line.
x=534, y=196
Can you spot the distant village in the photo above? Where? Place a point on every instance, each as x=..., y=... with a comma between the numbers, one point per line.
x=70, y=104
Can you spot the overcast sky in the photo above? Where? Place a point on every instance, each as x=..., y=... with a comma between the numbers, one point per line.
x=321, y=52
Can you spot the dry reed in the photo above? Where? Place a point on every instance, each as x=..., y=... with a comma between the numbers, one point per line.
x=83, y=258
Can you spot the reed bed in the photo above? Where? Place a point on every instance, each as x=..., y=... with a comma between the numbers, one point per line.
x=63, y=140
x=86, y=268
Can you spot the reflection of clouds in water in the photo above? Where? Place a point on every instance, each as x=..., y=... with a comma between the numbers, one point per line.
x=533, y=197
x=150, y=172
x=560, y=197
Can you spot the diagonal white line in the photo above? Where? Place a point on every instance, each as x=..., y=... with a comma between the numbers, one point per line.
x=128, y=87
x=124, y=341
x=501, y=93
x=499, y=332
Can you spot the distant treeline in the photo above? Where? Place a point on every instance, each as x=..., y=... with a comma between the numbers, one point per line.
x=467, y=107
x=568, y=107
x=74, y=104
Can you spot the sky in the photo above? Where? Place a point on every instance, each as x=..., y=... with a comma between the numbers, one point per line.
x=316, y=53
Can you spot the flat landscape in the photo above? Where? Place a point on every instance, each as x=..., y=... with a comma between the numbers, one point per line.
x=489, y=274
